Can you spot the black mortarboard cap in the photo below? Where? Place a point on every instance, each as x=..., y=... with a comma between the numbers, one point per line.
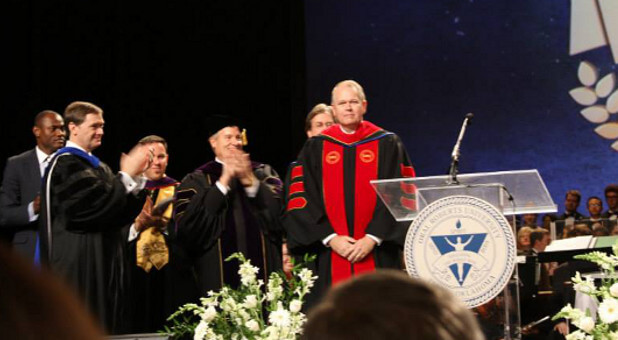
x=216, y=122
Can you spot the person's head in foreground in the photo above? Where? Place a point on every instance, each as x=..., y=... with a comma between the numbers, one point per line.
x=35, y=304
x=388, y=304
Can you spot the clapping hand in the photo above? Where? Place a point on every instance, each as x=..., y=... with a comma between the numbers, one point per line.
x=147, y=219
x=137, y=160
x=244, y=170
x=237, y=165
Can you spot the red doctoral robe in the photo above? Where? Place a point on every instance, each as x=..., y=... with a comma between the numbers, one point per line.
x=328, y=191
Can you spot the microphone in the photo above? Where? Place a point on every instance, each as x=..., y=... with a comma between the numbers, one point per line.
x=453, y=170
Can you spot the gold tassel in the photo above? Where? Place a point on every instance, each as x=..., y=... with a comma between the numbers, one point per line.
x=244, y=137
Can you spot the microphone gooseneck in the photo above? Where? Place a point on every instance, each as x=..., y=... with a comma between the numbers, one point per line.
x=453, y=170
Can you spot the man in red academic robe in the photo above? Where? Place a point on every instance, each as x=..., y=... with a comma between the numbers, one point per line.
x=332, y=210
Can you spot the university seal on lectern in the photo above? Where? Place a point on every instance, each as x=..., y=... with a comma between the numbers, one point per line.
x=463, y=244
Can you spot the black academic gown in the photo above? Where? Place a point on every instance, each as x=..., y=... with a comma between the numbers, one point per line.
x=83, y=209
x=153, y=296
x=328, y=191
x=211, y=226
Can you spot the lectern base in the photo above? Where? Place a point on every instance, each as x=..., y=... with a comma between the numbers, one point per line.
x=500, y=318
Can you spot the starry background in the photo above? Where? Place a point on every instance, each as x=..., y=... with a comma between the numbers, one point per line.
x=424, y=64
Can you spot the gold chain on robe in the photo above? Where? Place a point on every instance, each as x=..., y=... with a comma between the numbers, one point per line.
x=151, y=247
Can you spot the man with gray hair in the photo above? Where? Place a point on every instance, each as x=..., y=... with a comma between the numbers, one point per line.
x=332, y=210
x=230, y=204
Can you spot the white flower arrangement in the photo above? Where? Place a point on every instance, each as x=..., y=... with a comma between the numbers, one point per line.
x=606, y=296
x=248, y=312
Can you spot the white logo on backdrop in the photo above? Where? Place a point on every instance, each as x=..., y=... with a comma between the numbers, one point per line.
x=594, y=24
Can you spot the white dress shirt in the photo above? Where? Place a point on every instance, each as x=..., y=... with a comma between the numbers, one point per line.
x=43, y=159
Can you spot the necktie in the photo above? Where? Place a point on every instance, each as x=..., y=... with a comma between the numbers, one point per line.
x=44, y=164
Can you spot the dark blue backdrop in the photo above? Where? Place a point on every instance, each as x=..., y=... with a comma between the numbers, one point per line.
x=425, y=63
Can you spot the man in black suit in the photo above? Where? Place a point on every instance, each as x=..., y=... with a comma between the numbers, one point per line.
x=21, y=184
x=571, y=215
x=611, y=197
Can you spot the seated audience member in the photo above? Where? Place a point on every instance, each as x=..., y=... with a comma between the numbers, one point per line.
x=570, y=215
x=529, y=220
x=523, y=240
x=539, y=240
x=571, y=203
x=531, y=273
x=611, y=198
x=533, y=304
x=320, y=118
x=595, y=207
x=580, y=229
x=388, y=304
x=34, y=304
x=547, y=220
x=598, y=229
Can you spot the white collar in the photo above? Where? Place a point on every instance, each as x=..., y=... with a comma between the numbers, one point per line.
x=346, y=132
x=218, y=160
x=74, y=145
x=40, y=155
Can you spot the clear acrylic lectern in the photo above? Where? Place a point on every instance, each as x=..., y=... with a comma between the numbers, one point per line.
x=511, y=192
